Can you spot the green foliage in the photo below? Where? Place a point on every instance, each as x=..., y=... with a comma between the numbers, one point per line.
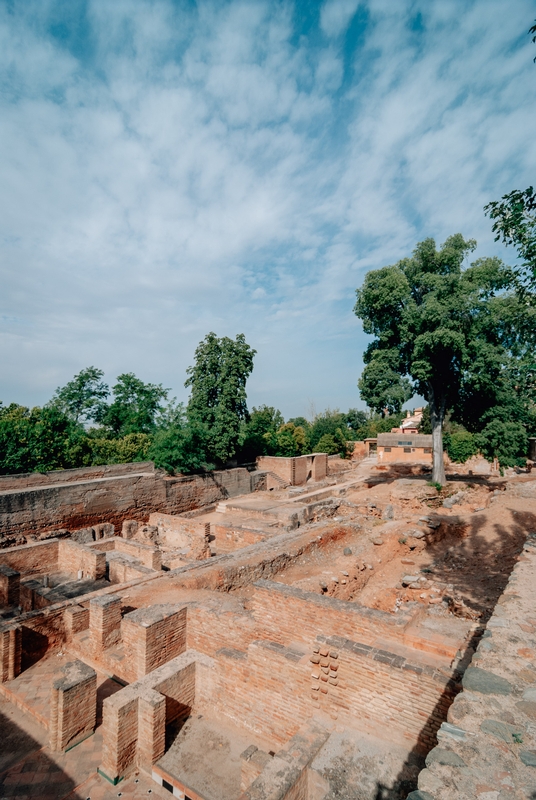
x=328, y=444
x=505, y=440
x=460, y=446
x=260, y=431
x=40, y=439
x=381, y=387
x=425, y=425
x=84, y=398
x=132, y=447
x=515, y=224
x=437, y=486
x=289, y=440
x=218, y=392
x=453, y=330
x=329, y=423
x=355, y=419
x=181, y=448
x=135, y=406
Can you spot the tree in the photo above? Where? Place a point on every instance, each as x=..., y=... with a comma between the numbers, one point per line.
x=84, y=398
x=218, y=400
x=40, y=439
x=515, y=224
x=503, y=440
x=260, y=431
x=439, y=322
x=381, y=386
x=135, y=406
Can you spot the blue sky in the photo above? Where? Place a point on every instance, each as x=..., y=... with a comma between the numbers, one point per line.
x=173, y=168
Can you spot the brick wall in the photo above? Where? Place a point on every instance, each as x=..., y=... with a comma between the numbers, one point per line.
x=134, y=718
x=277, y=607
x=210, y=629
x=73, y=557
x=104, y=621
x=73, y=705
x=32, y=559
x=228, y=539
x=153, y=636
x=82, y=502
x=9, y=586
x=121, y=570
x=26, y=479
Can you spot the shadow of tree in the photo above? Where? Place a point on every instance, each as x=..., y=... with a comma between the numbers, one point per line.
x=485, y=564
x=475, y=562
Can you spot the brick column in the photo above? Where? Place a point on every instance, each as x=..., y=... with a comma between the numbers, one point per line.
x=105, y=621
x=151, y=728
x=10, y=653
x=76, y=620
x=73, y=705
x=9, y=586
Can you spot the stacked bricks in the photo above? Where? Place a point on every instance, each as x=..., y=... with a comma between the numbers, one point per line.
x=10, y=652
x=134, y=719
x=351, y=680
x=104, y=621
x=73, y=705
x=153, y=636
x=76, y=620
x=324, y=676
x=33, y=559
x=276, y=607
x=9, y=586
x=31, y=505
x=151, y=728
x=74, y=557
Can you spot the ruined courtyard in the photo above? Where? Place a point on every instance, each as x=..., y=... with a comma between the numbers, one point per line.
x=311, y=629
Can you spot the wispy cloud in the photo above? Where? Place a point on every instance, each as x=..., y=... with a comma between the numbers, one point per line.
x=168, y=169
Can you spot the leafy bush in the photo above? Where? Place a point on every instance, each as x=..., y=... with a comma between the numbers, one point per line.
x=506, y=441
x=460, y=446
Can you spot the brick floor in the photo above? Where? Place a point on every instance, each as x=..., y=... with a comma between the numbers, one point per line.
x=30, y=691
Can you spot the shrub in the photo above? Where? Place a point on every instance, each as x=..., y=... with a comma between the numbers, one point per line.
x=460, y=446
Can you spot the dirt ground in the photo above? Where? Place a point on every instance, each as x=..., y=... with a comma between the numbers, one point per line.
x=404, y=545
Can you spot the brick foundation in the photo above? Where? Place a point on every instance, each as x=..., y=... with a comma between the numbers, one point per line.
x=73, y=705
x=104, y=621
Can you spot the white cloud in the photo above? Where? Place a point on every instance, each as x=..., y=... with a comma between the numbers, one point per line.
x=195, y=169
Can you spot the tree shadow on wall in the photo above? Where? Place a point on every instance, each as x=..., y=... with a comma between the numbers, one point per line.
x=493, y=563
x=476, y=566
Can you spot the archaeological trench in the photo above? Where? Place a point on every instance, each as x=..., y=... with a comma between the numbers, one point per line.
x=311, y=629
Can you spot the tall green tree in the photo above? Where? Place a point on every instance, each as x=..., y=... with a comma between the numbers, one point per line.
x=382, y=388
x=135, y=406
x=218, y=400
x=443, y=325
x=514, y=224
x=84, y=398
x=38, y=439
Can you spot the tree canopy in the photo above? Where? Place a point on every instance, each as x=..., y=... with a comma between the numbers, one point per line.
x=454, y=330
x=218, y=400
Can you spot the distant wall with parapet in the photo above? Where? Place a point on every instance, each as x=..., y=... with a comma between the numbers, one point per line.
x=75, y=499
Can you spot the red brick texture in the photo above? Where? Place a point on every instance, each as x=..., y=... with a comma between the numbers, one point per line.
x=73, y=705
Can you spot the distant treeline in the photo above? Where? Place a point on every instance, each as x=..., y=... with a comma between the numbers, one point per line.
x=86, y=423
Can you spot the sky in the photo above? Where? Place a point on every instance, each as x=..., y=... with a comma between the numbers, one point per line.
x=172, y=168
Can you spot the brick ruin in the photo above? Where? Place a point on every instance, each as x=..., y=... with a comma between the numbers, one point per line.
x=309, y=630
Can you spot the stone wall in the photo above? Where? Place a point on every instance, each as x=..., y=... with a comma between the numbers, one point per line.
x=487, y=749
x=80, y=501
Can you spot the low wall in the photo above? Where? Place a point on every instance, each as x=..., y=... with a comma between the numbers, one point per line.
x=31, y=479
x=81, y=501
x=134, y=719
x=32, y=559
x=277, y=608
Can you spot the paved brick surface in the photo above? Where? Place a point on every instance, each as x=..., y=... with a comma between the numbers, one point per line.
x=30, y=691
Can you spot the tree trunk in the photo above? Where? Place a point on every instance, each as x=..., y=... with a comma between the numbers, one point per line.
x=437, y=414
